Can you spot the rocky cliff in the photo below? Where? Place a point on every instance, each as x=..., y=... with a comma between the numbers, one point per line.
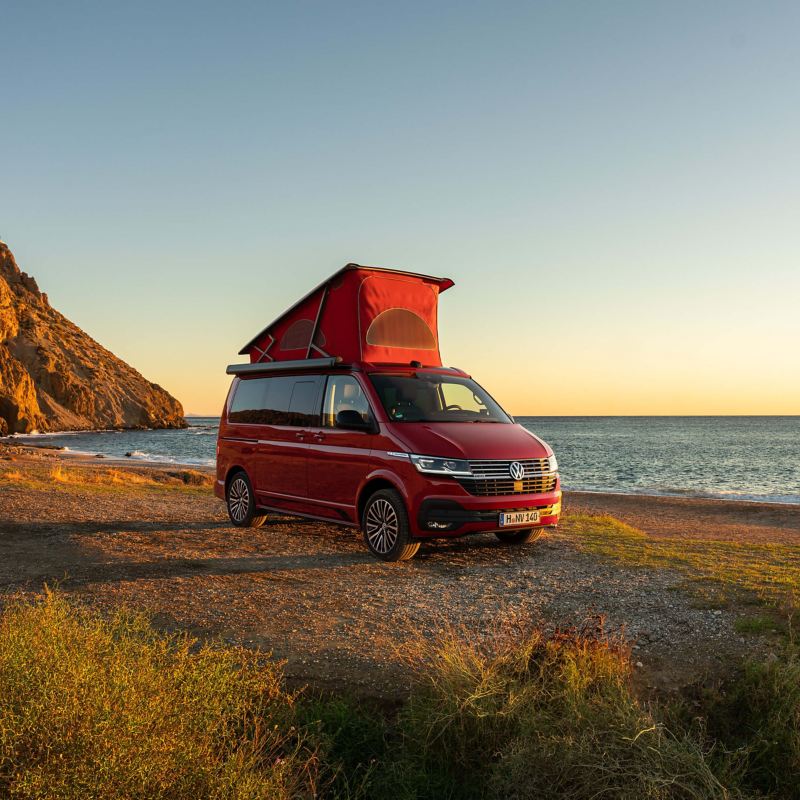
x=55, y=377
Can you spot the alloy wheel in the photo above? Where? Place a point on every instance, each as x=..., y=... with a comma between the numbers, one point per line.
x=381, y=526
x=238, y=499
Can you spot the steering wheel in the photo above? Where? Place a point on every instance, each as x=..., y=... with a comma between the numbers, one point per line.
x=453, y=407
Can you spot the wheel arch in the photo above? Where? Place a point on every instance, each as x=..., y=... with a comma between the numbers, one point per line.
x=232, y=470
x=375, y=484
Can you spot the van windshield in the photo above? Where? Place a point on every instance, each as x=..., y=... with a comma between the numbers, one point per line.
x=435, y=398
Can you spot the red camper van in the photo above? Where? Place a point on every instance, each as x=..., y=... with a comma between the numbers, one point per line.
x=345, y=413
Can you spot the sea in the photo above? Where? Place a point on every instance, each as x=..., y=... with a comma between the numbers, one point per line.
x=734, y=458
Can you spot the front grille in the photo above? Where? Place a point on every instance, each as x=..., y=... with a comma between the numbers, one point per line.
x=499, y=469
x=492, y=478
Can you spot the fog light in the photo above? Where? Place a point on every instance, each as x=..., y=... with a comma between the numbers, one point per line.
x=441, y=526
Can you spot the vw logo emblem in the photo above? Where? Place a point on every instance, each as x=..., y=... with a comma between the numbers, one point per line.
x=516, y=470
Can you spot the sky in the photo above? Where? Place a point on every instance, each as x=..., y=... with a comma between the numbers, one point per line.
x=613, y=186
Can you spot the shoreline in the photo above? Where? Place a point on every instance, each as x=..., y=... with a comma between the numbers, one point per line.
x=93, y=459
x=11, y=441
x=67, y=453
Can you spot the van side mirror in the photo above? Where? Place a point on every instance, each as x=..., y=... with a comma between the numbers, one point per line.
x=353, y=421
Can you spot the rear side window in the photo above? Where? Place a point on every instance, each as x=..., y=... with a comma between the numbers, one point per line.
x=276, y=404
x=304, y=403
x=282, y=400
x=247, y=406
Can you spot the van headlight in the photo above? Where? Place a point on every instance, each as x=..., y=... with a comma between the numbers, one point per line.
x=441, y=466
x=553, y=463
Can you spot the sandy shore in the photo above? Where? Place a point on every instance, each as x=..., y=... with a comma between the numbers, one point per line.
x=156, y=538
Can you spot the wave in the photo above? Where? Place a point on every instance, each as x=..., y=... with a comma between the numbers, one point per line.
x=34, y=434
x=158, y=458
x=722, y=494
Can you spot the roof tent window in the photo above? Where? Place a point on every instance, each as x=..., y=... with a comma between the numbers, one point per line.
x=298, y=336
x=399, y=327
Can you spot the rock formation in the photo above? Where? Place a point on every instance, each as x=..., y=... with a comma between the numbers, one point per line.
x=53, y=376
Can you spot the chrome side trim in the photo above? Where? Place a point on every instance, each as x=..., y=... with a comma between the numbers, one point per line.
x=307, y=500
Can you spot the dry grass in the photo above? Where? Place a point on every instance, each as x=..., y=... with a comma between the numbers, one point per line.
x=107, y=708
x=14, y=477
x=72, y=476
x=770, y=571
x=64, y=477
x=11, y=475
x=537, y=715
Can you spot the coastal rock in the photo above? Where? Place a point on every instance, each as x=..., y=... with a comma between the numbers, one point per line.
x=53, y=376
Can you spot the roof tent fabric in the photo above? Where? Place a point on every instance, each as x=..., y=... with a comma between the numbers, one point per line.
x=359, y=314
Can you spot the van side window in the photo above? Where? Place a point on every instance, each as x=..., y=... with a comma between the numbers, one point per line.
x=276, y=403
x=304, y=403
x=343, y=393
x=282, y=400
x=247, y=406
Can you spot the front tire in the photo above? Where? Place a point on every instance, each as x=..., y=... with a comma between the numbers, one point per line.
x=241, y=502
x=520, y=536
x=385, y=527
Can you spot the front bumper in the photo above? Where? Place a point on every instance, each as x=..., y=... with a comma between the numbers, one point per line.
x=448, y=516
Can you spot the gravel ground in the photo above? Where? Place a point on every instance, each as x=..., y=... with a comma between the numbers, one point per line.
x=312, y=595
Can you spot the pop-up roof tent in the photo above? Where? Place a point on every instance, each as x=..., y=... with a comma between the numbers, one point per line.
x=358, y=314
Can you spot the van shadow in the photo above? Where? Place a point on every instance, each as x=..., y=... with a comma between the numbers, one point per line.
x=188, y=567
x=33, y=530
x=33, y=553
x=474, y=543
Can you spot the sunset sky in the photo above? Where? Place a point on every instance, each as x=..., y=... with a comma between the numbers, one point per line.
x=613, y=186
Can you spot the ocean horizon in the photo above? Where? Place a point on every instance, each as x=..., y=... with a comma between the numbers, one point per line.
x=753, y=458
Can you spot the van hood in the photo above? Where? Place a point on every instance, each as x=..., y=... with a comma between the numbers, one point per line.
x=470, y=440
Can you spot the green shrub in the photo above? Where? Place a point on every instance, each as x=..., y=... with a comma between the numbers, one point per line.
x=108, y=708
x=760, y=713
x=351, y=741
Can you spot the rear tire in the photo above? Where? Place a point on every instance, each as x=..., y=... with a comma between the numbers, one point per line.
x=385, y=527
x=241, y=502
x=520, y=536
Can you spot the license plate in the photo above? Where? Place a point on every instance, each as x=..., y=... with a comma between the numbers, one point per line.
x=510, y=518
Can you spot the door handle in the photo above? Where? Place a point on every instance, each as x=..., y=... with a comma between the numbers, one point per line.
x=300, y=434
x=319, y=436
